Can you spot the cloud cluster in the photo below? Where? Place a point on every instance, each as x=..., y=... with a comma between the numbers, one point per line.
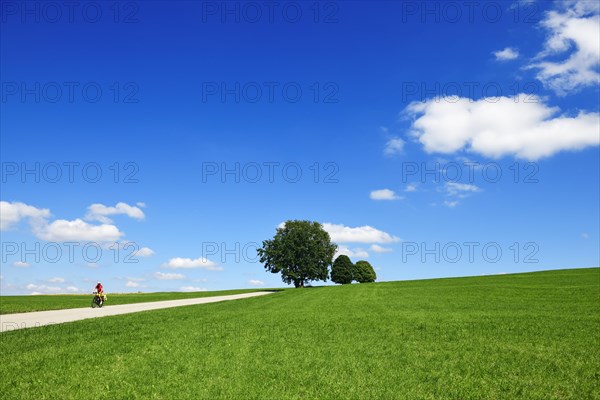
x=12, y=213
x=574, y=34
x=62, y=230
x=100, y=212
x=521, y=126
x=360, y=234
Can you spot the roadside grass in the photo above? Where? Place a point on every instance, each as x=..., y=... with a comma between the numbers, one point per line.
x=20, y=304
x=523, y=336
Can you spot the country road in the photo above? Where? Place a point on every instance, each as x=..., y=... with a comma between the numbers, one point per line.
x=11, y=322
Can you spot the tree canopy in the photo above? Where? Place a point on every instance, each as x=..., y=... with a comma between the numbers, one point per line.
x=342, y=270
x=364, y=272
x=300, y=250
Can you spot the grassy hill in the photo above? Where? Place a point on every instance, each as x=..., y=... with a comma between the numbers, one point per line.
x=523, y=336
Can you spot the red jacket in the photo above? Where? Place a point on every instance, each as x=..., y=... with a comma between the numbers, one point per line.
x=99, y=288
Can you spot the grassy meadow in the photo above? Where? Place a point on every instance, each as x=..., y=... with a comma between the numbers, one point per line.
x=523, y=336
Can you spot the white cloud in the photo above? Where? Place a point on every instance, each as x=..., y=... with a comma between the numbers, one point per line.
x=191, y=289
x=132, y=284
x=585, y=235
x=523, y=126
x=200, y=262
x=506, y=54
x=21, y=264
x=379, y=249
x=73, y=289
x=456, y=190
x=361, y=234
x=460, y=190
x=384, y=194
x=12, y=213
x=574, y=34
x=168, y=276
x=99, y=212
x=41, y=289
x=56, y=280
x=62, y=230
x=412, y=187
x=354, y=252
x=393, y=146
x=256, y=282
x=144, y=252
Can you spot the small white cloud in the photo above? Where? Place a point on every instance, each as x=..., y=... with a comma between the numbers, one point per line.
x=12, y=213
x=21, y=264
x=191, y=289
x=73, y=289
x=384, y=194
x=585, y=235
x=100, y=212
x=460, y=190
x=201, y=262
x=144, y=252
x=393, y=146
x=360, y=234
x=78, y=230
x=56, y=280
x=168, y=276
x=140, y=204
x=412, y=187
x=379, y=249
x=132, y=284
x=506, y=54
x=355, y=252
x=256, y=282
x=43, y=288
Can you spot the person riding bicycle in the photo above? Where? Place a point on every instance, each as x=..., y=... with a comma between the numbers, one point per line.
x=100, y=292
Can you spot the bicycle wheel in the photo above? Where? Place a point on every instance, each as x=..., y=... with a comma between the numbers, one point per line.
x=95, y=303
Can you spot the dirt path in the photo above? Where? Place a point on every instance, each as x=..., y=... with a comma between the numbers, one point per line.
x=11, y=322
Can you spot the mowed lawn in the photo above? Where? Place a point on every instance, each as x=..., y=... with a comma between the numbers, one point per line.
x=524, y=336
x=20, y=304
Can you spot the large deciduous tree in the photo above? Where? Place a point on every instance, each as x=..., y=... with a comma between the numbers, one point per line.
x=301, y=250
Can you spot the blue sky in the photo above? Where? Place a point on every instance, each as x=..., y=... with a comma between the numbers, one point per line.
x=388, y=122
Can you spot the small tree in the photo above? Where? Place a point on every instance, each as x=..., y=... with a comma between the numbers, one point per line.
x=364, y=272
x=301, y=250
x=342, y=269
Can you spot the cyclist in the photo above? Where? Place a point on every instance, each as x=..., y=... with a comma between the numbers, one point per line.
x=100, y=292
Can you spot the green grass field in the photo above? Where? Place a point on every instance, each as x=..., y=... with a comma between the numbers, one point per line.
x=20, y=304
x=525, y=336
